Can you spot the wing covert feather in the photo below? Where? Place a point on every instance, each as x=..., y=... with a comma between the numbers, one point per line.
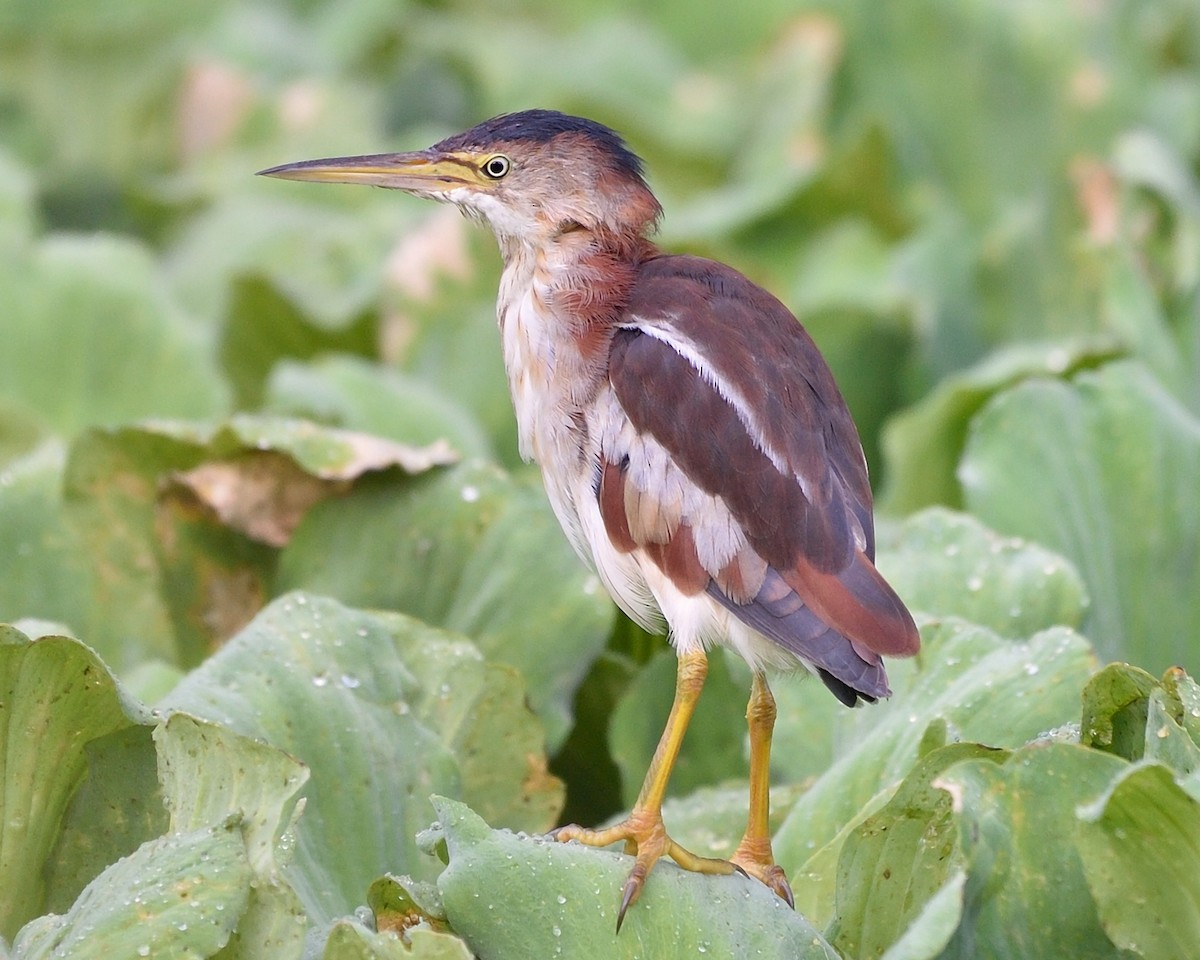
x=729, y=387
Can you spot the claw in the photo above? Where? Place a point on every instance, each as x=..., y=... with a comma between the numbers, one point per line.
x=645, y=836
x=777, y=881
x=766, y=872
x=630, y=893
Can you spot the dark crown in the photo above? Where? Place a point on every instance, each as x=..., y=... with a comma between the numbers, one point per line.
x=540, y=126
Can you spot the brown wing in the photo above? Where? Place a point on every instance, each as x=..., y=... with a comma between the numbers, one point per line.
x=762, y=498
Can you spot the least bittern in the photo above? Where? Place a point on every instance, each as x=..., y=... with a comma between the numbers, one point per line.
x=692, y=440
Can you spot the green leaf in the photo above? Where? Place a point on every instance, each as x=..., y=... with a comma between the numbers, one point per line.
x=445, y=323
x=96, y=338
x=182, y=520
x=56, y=697
x=922, y=445
x=977, y=686
x=1026, y=894
x=1167, y=741
x=475, y=551
x=209, y=773
x=349, y=392
x=399, y=903
x=265, y=328
x=479, y=710
x=928, y=934
x=179, y=896
x=509, y=896
x=117, y=806
x=44, y=570
x=1116, y=702
x=898, y=859
x=319, y=250
x=1186, y=692
x=383, y=710
x=1140, y=843
x=1102, y=470
x=949, y=563
x=778, y=125
x=349, y=940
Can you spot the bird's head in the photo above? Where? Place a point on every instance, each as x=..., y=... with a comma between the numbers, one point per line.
x=531, y=176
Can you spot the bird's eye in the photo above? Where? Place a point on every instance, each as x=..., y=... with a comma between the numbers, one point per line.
x=497, y=167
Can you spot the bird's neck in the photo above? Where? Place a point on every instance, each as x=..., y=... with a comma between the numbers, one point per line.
x=559, y=302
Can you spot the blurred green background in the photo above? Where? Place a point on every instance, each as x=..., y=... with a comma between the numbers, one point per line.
x=987, y=212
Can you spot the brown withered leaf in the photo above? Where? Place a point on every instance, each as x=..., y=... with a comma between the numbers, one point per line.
x=264, y=494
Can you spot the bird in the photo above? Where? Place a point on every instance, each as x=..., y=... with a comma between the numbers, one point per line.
x=692, y=441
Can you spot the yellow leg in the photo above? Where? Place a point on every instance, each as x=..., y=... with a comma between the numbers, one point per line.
x=643, y=831
x=753, y=854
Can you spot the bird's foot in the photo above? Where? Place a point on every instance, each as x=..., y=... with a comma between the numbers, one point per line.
x=753, y=857
x=645, y=837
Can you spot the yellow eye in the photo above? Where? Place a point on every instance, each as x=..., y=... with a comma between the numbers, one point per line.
x=497, y=167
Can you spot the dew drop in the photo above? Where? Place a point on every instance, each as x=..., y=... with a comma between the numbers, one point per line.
x=470, y=493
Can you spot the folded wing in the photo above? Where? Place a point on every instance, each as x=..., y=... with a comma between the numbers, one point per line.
x=737, y=469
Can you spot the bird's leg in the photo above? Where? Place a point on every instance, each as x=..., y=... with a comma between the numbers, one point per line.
x=754, y=854
x=643, y=831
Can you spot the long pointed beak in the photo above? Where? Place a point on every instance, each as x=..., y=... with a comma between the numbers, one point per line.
x=420, y=172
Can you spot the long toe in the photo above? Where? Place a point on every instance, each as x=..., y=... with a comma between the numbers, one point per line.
x=645, y=836
x=767, y=872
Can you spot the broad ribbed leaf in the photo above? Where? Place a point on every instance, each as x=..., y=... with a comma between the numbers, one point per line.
x=208, y=772
x=950, y=564
x=1026, y=893
x=475, y=551
x=349, y=940
x=93, y=337
x=1103, y=470
x=899, y=858
x=1140, y=843
x=976, y=686
x=351, y=393
x=923, y=444
x=44, y=570
x=383, y=711
x=516, y=897
x=178, y=897
x=56, y=698
x=181, y=521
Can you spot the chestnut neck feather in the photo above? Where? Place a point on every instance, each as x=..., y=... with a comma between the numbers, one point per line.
x=559, y=303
